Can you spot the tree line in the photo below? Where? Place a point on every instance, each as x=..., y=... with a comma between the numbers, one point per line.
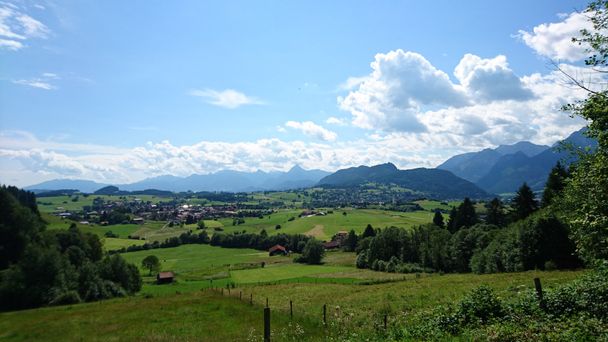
x=51, y=267
x=531, y=235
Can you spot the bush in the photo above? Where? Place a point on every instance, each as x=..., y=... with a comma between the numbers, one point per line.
x=480, y=305
x=68, y=297
x=312, y=253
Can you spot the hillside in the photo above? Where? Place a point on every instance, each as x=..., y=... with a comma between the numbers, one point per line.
x=433, y=183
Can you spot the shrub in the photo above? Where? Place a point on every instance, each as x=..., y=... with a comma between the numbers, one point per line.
x=480, y=305
x=64, y=298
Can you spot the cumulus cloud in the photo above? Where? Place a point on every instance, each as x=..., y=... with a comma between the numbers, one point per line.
x=17, y=27
x=400, y=84
x=487, y=80
x=312, y=129
x=554, y=40
x=490, y=104
x=228, y=98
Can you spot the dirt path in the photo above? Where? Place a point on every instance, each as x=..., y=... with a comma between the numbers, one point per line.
x=317, y=231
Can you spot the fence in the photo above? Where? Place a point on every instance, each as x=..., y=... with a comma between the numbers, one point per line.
x=383, y=324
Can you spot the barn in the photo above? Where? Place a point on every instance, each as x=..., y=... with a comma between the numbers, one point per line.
x=277, y=250
x=165, y=277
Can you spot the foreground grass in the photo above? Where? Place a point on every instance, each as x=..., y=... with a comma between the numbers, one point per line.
x=196, y=315
x=199, y=316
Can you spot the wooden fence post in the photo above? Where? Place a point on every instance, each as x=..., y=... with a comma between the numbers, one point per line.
x=539, y=292
x=266, y=301
x=324, y=314
x=251, y=299
x=290, y=309
x=266, y=324
x=241, y=295
x=385, y=321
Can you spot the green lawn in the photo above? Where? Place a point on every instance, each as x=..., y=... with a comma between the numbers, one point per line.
x=284, y=271
x=195, y=262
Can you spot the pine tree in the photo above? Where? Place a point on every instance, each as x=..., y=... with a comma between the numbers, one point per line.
x=368, y=232
x=555, y=184
x=496, y=214
x=465, y=216
x=524, y=203
x=452, y=220
x=438, y=219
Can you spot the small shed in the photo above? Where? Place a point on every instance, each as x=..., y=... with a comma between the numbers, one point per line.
x=164, y=277
x=277, y=250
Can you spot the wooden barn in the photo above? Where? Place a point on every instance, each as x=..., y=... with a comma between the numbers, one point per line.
x=277, y=250
x=164, y=277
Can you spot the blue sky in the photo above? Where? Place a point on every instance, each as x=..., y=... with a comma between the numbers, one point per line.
x=117, y=91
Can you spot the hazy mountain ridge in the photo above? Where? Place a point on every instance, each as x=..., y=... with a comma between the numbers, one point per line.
x=226, y=180
x=473, y=166
x=505, y=168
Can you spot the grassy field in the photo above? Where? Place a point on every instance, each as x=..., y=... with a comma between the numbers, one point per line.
x=324, y=227
x=199, y=316
x=205, y=315
x=50, y=204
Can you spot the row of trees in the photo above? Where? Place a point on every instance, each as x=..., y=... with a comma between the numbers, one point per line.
x=41, y=267
x=526, y=237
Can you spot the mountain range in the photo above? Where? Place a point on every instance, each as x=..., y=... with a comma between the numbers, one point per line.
x=227, y=180
x=474, y=174
x=505, y=168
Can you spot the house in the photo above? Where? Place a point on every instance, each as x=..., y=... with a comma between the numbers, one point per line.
x=340, y=237
x=277, y=249
x=164, y=277
x=331, y=244
x=138, y=220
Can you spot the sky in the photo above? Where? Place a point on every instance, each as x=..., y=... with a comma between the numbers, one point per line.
x=118, y=91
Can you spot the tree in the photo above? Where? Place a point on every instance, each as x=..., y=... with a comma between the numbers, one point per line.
x=368, y=232
x=465, y=216
x=495, y=212
x=555, y=184
x=586, y=193
x=438, y=219
x=524, y=203
x=152, y=263
x=312, y=253
x=452, y=219
x=350, y=244
x=201, y=224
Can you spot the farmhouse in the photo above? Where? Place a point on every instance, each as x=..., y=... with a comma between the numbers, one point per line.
x=331, y=244
x=164, y=278
x=277, y=250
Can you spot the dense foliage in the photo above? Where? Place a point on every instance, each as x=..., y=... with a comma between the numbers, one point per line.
x=586, y=192
x=55, y=267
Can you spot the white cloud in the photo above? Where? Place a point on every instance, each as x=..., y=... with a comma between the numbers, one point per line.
x=17, y=27
x=335, y=121
x=399, y=85
x=312, y=129
x=12, y=45
x=554, y=40
x=42, y=82
x=228, y=98
x=489, y=105
x=487, y=80
x=35, y=83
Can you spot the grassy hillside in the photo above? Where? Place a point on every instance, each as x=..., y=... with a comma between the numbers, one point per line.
x=203, y=315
